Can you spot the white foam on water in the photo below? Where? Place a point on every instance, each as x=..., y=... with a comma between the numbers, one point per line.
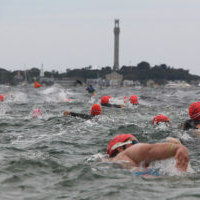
x=187, y=137
x=167, y=167
x=4, y=108
x=99, y=157
x=92, y=100
x=162, y=126
x=118, y=100
x=56, y=94
x=49, y=90
x=17, y=96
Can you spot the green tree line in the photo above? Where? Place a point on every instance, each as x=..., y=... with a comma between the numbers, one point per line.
x=142, y=72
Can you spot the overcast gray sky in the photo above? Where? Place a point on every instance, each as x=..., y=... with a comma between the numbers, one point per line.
x=64, y=34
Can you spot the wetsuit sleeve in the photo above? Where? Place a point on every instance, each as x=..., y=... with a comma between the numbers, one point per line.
x=107, y=104
x=116, y=105
x=111, y=105
x=81, y=115
x=189, y=124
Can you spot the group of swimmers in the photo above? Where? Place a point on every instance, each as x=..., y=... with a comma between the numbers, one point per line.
x=96, y=108
x=126, y=147
x=192, y=123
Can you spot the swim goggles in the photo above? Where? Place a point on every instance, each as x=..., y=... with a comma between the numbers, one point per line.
x=119, y=144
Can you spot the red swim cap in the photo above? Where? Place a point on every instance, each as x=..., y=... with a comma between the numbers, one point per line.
x=36, y=113
x=1, y=97
x=96, y=109
x=194, y=111
x=104, y=99
x=133, y=99
x=37, y=85
x=117, y=141
x=160, y=118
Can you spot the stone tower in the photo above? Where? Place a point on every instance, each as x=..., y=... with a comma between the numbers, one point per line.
x=116, y=45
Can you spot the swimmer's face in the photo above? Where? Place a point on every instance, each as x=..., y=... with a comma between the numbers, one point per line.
x=163, y=124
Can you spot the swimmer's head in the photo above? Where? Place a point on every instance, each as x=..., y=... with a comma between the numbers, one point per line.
x=194, y=111
x=104, y=100
x=133, y=99
x=125, y=99
x=161, y=118
x=120, y=141
x=96, y=109
x=1, y=97
x=36, y=113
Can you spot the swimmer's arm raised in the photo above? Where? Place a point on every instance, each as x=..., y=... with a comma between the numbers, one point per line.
x=160, y=151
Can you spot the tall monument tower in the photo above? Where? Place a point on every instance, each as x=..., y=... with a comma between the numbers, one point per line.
x=116, y=45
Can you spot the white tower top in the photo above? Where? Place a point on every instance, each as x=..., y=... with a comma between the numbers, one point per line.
x=116, y=45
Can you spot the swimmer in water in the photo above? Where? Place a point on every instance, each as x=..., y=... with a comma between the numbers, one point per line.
x=90, y=89
x=36, y=113
x=194, y=121
x=95, y=110
x=126, y=147
x=105, y=102
x=161, y=119
x=133, y=100
x=2, y=97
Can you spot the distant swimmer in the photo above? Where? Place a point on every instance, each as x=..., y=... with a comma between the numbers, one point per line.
x=95, y=110
x=79, y=82
x=194, y=121
x=125, y=99
x=1, y=97
x=36, y=113
x=126, y=149
x=161, y=119
x=105, y=102
x=37, y=84
x=90, y=89
x=133, y=99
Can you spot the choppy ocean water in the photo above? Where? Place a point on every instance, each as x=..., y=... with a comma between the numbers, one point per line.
x=57, y=157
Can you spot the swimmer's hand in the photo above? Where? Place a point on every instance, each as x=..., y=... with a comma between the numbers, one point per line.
x=198, y=126
x=122, y=105
x=173, y=140
x=182, y=158
x=66, y=112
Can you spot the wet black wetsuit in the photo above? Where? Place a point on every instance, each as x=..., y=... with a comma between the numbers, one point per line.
x=190, y=124
x=81, y=115
x=111, y=105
